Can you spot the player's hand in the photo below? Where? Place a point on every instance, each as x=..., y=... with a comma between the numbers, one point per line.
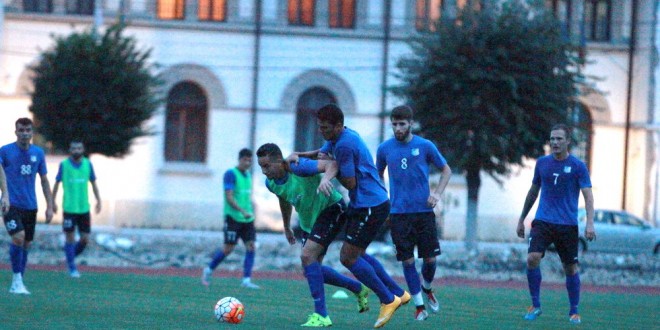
x=4, y=204
x=289, y=236
x=521, y=229
x=325, y=187
x=432, y=201
x=54, y=207
x=97, y=209
x=590, y=232
x=49, y=215
x=247, y=215
x=293, y=158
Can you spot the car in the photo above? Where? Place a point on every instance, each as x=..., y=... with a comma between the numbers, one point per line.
x=620, y=232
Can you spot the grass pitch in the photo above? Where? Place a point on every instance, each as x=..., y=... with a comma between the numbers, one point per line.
x=132, y=301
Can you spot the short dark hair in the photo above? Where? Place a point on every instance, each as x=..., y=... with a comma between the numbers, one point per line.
x=402, y=112
x=567, y=130
x=24, y=122
x=245, y=152
x=331, y=113
x=270, y=150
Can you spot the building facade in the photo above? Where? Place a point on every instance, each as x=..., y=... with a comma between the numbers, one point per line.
x=240, y=73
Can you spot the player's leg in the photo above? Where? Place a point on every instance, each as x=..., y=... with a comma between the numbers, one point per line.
x=540, y=237
x=14, y=226
x=361, y=228
x=567, y=247
x=404, y=239
x=30, y=224
x=248, y=234
x=84, y=224
x=230, y=229
x=68, y=227
x=309, y=257
x=428, y=248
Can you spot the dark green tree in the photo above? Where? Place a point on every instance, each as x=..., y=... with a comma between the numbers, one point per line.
x=94, y=88
x=487, y=87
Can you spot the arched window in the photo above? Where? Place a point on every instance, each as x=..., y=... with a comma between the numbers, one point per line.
x=580, y=119
x=307, y=132
x=186, y=124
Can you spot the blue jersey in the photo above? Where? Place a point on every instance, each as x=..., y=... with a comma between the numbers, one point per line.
x=408, y=167
x=21, y=168
x=560, y=182
x=355, y=161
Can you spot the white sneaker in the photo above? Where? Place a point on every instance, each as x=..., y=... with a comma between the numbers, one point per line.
x=249, y=285
x=18, y=288
x=74, y=273
x=206, y=276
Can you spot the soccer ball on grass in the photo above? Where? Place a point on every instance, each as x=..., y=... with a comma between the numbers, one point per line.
x=229, y=310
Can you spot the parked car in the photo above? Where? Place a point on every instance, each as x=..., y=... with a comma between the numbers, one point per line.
x=619, y=231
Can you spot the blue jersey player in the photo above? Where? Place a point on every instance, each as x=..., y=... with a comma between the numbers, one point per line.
x=559, y=177
x=368, y=208
x=407, y=158
x=21, y=162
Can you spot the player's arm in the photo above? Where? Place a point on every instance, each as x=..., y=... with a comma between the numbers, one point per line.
x=56, y=189
x=4, y=202
x=295, y=156
x=45, y=187
x=229, y=194
x=286, y=209
x=97, y=195
x=532, y=194
x=440, y=189
x=589, y=231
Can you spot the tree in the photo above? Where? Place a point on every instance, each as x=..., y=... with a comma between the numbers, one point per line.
x=95, y=88
x=487, y=87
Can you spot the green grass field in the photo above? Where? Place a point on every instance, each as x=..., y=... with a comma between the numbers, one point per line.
x=130, y=301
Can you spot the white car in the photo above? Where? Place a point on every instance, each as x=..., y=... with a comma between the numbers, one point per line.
x=619, y=231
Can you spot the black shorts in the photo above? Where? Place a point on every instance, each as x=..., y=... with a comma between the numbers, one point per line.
x=412, y=229
x=327, y=225
x=362, y=224
x=565, y=238
x=234, y=230
x=17, y=220
x=72, y=220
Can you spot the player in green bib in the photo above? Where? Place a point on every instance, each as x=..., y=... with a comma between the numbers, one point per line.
x=239, y=219
x=321, y=216
x=74, y=174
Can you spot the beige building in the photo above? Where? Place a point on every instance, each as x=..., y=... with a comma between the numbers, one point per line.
x=235, y=81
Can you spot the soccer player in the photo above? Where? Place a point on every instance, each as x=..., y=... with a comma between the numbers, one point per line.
x=560, y=177
x=75, y=173
x=407, y=158
x=21, y=162
x=320, y=218
x=367, y=210
x=239, y=219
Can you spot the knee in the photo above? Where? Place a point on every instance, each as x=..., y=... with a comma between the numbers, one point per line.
x=533, y=260
x=84, y=240
x=571, y=269
x=228, y=248
x=409, y=262
x=26, y=245
x=347, y=260
x=250, y=246
x=307, y=258
x=18, y=239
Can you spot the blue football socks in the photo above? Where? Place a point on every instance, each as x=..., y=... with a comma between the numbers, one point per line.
x=217, y=259
x=534, y=281
x=428, y=271
x=573, y=288
x=16, y=257
x=314, y=276
x=70, y=253
x=412, y=278
x=248, y=263
x=383, y=275
x=365, y=273
x=333, y=277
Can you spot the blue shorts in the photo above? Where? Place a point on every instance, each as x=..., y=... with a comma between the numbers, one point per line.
x=415, y=229
x=17, y=220
x=327, y=225
x=72, y=220
x=565, y=238
x=363, y=224
x=234, y=230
